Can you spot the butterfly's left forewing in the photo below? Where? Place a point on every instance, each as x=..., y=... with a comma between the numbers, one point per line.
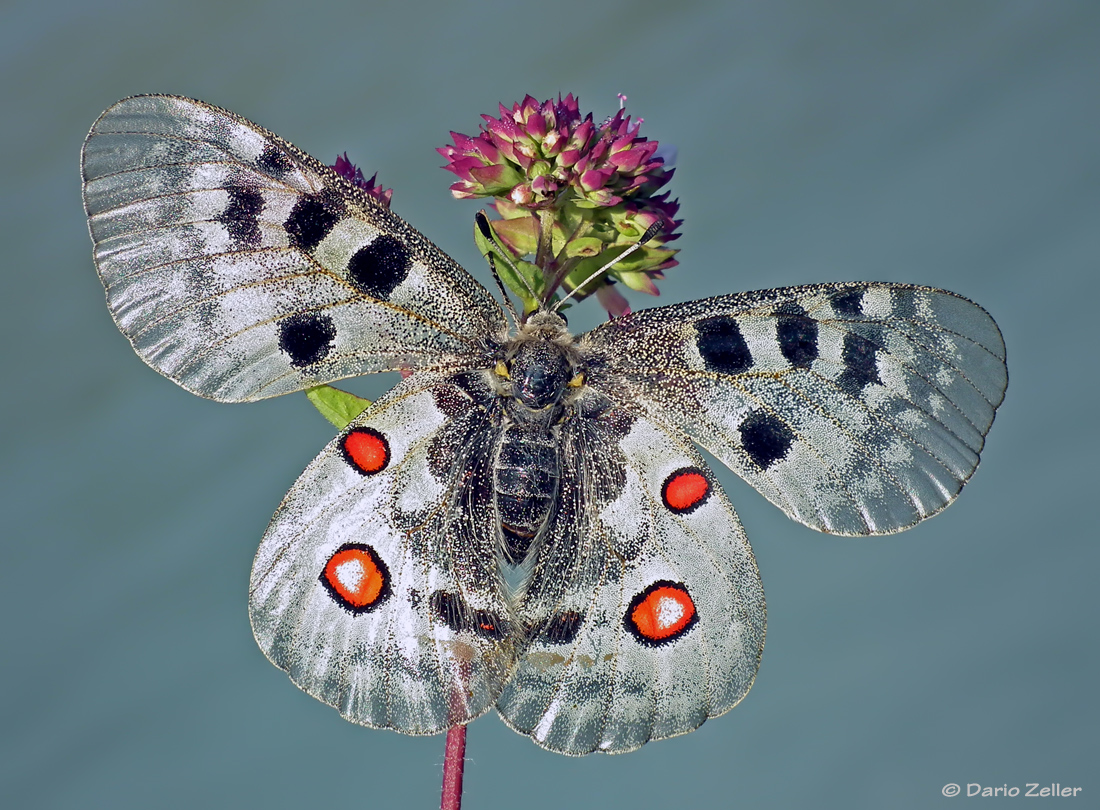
x=645, y=612
x=242, y=268
x=376, y=586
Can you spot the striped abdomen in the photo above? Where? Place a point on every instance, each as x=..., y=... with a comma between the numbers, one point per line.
x=526, y=478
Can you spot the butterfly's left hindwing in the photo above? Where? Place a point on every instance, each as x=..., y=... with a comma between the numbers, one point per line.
x=376, y=586
x=242, y=268
x=645, y=611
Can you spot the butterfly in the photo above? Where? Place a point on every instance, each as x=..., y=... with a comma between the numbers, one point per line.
x=524, y=521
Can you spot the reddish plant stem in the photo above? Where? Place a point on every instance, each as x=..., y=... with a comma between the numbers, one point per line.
x=454, y=761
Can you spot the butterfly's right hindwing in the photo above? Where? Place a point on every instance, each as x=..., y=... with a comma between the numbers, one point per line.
x=376, y=586
x=241, y=268
x=642, y=535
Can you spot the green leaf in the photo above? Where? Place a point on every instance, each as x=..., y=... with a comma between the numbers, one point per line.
x=585, y=246
x=338, y=407
x=509, y=276
x=519, y=234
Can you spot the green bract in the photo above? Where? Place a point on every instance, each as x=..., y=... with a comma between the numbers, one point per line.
x=338, y=407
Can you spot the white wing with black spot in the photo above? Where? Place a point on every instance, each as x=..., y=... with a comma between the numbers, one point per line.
x=242, y=268
x=856, y=408
x=645, y=613
x=376, y=585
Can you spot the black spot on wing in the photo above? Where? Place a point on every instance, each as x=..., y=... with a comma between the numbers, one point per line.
x=797, y=334
x=559, y=629
x=765, y=438
x=860, y=368
x=306, y=338
x=312, y=219
x=457, y=615
x=722, y=346
x=450, y=609
x=848, y=303
x=378, y=268
x=241, y=216
x=274, y=162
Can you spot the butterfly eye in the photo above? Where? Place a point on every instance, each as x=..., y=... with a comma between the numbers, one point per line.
x=577, y=381
x=501, y=370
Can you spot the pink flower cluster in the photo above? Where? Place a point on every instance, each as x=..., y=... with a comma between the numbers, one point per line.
x=595, y=187
x=535, y=152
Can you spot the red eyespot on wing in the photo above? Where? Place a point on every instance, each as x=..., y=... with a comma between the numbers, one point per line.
x=661, y=613
x=685, y=490
x=356, y=578
x=366, y=450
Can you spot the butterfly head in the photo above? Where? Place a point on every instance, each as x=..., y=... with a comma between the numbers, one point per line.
x=540, y=368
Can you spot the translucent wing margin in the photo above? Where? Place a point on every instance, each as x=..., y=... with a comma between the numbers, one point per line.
x=375, y=587
x=242, y=268
x=857, y=408
x=645, y=613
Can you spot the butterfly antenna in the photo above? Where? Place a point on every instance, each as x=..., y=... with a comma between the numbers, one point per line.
x=487, y=232
x=507, y=301
x=650, y=232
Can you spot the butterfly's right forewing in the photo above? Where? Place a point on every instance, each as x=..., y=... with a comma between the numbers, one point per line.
x=857, y=408
x=242, y=268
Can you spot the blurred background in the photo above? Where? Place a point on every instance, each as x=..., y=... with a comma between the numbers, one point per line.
x=952, y=144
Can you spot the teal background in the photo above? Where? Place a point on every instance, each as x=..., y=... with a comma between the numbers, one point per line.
x=952, y=144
